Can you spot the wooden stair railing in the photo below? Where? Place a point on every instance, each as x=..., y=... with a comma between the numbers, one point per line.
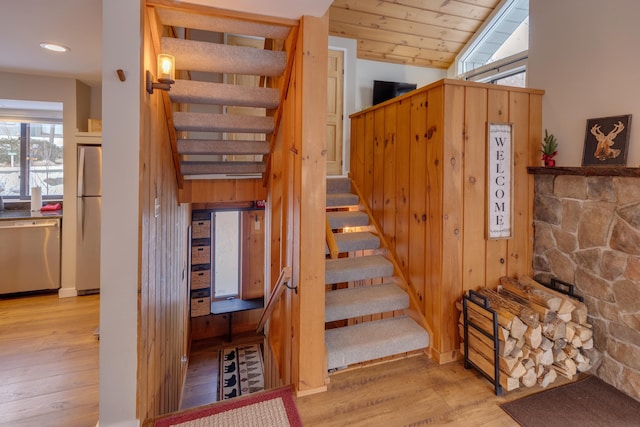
x=331, y=242
x=283, y=279
x=414, y=305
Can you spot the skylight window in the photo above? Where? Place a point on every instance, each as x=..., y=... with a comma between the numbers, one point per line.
x=499, y=49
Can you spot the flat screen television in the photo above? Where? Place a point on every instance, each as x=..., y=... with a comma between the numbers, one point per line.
x=383, y=91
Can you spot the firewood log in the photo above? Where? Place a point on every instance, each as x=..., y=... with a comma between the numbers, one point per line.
x=543, y=312
x=583, y=332
x=588, y=344
x=571, y=351
x=567, y=368
x=579, y=315
x=508, y=383
x=510, y=308
x=536, y=355
x=559, y=355
x=547, y=357
x=533, y=337
x=548, y=377
x=567, y=304
x=570, y=330
x=529, y=379
x=524, y=288
x=546, y=343
x=555, y=329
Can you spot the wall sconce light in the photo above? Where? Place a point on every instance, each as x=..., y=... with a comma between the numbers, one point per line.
x=166, y=73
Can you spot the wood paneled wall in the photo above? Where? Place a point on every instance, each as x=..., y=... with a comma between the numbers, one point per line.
x=222, y=190
x=163, y=294
x=420, y=161
x=296, y=219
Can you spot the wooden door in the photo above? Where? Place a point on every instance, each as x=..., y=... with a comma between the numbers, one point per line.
x=335, y=79
x=244, y=80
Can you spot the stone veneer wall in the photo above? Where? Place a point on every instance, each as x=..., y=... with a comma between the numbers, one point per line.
x=587, y=232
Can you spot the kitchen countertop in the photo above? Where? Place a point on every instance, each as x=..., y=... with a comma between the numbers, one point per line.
x=9, y=214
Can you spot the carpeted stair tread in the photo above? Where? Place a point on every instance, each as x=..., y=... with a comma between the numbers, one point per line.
x=195, y=55
x=373, y=340
x=221, y=146
x=230, y=168
x=196, y=21
x=213, y=122
x=363, y=301
x=356, y=241
x=342, y=199
x=197, y=92
x=357, y=268
x=341, y=219
x=338, y=185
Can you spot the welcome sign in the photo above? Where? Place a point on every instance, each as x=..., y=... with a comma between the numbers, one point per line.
x=499, y=180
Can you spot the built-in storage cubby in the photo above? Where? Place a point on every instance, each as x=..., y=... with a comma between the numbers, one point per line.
x=200, y=282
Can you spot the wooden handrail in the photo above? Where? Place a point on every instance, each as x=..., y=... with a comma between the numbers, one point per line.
x=416, y=313
x=285, y=276
x=331, y=242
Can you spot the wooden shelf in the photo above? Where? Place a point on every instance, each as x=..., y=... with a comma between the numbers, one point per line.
x=585, y=171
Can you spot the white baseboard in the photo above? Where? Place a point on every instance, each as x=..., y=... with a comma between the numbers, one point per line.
x=67, y=292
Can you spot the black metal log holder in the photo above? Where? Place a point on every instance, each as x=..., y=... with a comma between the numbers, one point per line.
x=564, y=288
x=482, y=302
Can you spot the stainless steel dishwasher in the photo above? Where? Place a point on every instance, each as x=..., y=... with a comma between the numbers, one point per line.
x=29, y=255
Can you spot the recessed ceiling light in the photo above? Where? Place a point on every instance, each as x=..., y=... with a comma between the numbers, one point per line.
x=54, y=47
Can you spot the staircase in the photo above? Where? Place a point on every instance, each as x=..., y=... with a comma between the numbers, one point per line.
x=225, y=97
x=365, y=305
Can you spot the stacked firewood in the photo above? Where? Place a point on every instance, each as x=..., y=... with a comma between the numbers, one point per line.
x=541, y=334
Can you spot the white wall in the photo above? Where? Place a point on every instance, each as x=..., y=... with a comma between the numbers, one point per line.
x=584, y=54
x=121, y=129
x=358, y=82
x=368, y=71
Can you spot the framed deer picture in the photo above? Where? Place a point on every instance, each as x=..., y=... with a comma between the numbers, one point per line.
x=607, y=141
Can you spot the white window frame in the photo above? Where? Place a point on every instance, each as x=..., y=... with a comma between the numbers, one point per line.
x=505, y=67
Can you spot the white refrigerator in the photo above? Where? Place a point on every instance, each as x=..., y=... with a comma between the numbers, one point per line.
x=88, y=219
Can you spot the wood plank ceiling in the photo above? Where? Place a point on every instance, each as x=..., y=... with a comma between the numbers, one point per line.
x=425, y=33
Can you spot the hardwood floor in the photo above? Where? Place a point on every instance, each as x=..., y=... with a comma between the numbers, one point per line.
x=201, y=384
x=49, y=361
x=407, y=392
x=49, y=377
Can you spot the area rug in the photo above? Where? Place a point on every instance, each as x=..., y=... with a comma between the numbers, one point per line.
x=241, y=371
x=271, y=408
x=588, y=402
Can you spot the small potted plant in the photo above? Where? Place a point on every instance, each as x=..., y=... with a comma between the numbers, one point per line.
x=549, y=149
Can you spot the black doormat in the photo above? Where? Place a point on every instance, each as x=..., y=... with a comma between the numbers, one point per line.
x=587, y=403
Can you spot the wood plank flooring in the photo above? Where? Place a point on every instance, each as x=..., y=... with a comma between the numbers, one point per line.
x=49, y=377
x=49, y=361
x=201, y=384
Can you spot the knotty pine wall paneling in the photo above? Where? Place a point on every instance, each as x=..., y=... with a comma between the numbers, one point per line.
x=417, y=192
x=163, y=294
x=389, y=178
x=379, y=165
x=439, y=168
x=403, y=179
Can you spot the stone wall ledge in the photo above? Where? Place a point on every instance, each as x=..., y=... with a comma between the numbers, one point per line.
x=585, y=171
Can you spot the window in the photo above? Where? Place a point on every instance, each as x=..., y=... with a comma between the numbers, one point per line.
x=498, y=52
x=31, y=152
x=226, y=256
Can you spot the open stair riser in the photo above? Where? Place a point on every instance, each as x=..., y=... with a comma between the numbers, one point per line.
x=361, y=286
